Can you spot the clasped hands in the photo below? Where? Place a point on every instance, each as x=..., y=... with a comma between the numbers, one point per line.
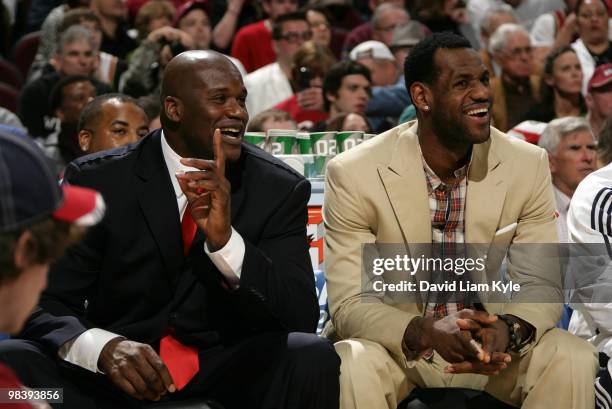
x=471, y=341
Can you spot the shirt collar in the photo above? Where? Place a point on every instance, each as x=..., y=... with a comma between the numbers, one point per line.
x=434, y=180
x=562, y=200
x=174, y=165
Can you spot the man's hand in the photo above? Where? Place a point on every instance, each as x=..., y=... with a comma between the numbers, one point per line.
x=136, y=369
x=494, y=340
x=311, y=99
x=445, y=336
x=209, y=193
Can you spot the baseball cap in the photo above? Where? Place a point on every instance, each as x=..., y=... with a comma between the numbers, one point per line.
x=191, y=5
x=601, y=77
x=371, y=49
x=29, y=189
x=407, y=35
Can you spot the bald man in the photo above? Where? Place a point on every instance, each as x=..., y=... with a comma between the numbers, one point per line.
x=198, y=282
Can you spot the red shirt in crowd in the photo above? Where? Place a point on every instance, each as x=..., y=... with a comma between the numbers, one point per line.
x=253, y=46
x=9, y=380
x=300, y=114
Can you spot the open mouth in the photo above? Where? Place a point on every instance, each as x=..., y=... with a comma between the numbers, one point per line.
x=231, y=132
x=479, y=112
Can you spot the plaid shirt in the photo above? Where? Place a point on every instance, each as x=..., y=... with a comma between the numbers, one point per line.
x=447, y=211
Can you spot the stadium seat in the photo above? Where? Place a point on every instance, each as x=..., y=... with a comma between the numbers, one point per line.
x=9, y=97
x=24, y=52
x=10, y=74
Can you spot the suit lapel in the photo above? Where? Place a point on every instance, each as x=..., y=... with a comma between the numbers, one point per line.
x=157, y=201
x=486, y=193
x=404, y=181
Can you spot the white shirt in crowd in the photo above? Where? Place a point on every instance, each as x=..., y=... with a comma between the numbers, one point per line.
x=85, y=349
x=266, y=87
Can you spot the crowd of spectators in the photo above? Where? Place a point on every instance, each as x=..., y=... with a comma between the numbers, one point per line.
x=537, y=52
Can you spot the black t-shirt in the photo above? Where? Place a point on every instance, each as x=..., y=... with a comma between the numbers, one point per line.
x=603, y=58
x=34, y=110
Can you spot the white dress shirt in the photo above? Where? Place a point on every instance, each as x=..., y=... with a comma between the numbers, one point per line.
x=563, y=203
x=84, y=350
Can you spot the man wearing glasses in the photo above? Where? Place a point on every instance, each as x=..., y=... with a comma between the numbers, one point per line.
x=515, y=91
x=270, y=85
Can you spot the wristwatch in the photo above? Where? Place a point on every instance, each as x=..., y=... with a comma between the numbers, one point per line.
x=514, y=332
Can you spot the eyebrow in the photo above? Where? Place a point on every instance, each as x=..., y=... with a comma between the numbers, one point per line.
x=119, y=122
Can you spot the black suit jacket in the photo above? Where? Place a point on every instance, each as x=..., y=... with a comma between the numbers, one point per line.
x=129, y=275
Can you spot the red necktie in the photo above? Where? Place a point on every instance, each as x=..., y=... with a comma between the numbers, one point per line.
x=181, y=360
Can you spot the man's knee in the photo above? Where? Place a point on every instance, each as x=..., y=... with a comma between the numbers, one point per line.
x=313, y=354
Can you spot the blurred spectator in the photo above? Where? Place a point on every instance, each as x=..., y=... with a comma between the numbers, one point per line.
x=599, y=97
x=109, y=67
x=310, y=64
x=253, y=43
x=604, y=144
x=76, y=55
x=404, y=39
x=351, y=121
x=269, y=85
x=38, y=221
x=68, y=98
x=560, y=87
x=386, y=17
x=226, y=27
x=593, y=46
x=515, y=92
x=388, y=94
x=271, y=119
x=554, y=30
x=153, y=15
x=143, y=76
x=113, y=17
x=526, y=10
x=572, y=156
x=446, y=15
x=152, y=108
x=320, y=24
x=39, y=10
x=494, y=17
x=346, y=88
x=111, y=121
x=49, y=32
x=10, y=119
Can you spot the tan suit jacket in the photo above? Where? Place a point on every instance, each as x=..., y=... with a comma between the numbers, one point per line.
x=377, y=193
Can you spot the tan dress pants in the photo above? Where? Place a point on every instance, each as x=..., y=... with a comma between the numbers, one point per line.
x=557, y=373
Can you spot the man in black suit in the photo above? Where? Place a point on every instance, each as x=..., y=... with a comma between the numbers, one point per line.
x=241, y=297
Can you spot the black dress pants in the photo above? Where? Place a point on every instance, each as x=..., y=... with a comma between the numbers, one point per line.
x=268, y=371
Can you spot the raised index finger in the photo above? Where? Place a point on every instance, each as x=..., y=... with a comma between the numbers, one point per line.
x=218, y=151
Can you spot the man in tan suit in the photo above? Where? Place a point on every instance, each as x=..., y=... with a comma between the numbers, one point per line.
x=448, y=179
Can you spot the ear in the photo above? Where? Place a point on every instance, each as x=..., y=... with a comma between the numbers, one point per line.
x=275, y=47
x=173, y=108
x=497, y=57
x=85, y=140
x=588, y=100
x=422, y=97
x=330, y=96
x=60, y=114
x=552, y=163
x=55, y=62
x=21, y=258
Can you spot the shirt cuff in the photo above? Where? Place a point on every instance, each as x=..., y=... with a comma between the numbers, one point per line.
x=85, y=350
x=229, y=258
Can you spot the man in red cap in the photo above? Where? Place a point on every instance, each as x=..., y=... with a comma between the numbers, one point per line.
x=38, y=220
x=599, y=97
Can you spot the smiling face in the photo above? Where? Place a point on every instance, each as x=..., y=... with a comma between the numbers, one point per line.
x=460, y=98
x=574, y=159
x=567, y=74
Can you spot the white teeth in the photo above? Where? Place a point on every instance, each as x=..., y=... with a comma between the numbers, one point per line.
x=478, y=111
x=230, y=130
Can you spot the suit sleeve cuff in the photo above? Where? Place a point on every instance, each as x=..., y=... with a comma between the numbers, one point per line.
x=85, y=349
x=229, y=258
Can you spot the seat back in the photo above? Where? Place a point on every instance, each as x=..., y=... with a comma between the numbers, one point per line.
x=9, y=97
x=25, y=51
x=10, y=74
